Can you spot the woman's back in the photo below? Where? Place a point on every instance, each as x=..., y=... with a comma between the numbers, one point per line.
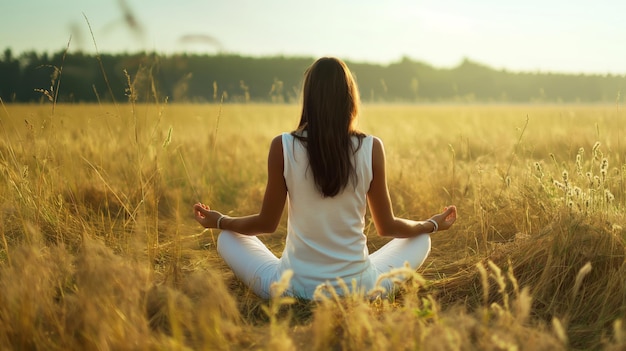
x=325, y=237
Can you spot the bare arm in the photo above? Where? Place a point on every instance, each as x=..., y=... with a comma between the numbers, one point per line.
x=266, y=221
x=387, y=224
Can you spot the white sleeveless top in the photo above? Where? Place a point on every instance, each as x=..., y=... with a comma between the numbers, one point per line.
x=325, y=238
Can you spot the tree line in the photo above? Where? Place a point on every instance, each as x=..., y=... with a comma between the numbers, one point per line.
x=143, y=77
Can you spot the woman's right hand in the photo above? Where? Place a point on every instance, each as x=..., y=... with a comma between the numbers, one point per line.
x=446, y=218
x=205, y=216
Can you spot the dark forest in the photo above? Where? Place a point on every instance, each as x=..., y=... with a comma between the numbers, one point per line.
x=80, y=77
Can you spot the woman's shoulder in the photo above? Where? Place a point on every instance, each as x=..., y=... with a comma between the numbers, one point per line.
x=286, y=136
x=277, y=141
x=378, y=147
x=375, y=140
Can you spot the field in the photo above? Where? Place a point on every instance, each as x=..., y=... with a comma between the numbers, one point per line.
x=99, y=250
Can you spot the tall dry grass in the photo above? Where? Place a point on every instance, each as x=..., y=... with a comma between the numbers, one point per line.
x=99, y=249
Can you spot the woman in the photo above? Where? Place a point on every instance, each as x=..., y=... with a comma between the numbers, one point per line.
x=329, y=172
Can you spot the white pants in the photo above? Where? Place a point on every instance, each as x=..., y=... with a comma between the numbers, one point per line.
x=257, y=267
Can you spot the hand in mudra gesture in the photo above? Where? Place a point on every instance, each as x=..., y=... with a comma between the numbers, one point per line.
x=205, y=216
x=446, y=218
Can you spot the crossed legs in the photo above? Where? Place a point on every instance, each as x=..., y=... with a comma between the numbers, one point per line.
x=251, y=261
x=398, y=251
x=257, y=267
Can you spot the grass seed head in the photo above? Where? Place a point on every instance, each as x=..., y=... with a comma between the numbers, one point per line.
x=597, y=154
x=565, y=176
x=579, y=166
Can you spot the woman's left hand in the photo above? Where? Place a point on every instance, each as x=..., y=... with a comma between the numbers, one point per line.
x=446, y=218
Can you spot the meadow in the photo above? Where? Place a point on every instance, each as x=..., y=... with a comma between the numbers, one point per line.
x=99, y=249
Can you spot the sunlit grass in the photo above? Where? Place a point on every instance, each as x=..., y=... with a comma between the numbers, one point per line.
x=99, y=249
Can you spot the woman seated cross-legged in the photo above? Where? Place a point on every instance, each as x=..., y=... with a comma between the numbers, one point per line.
x=328, y=172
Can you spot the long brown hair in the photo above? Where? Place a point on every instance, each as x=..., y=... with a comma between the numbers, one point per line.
x=329, y=110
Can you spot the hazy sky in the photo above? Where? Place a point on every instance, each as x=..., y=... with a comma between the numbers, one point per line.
x=530, y=35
